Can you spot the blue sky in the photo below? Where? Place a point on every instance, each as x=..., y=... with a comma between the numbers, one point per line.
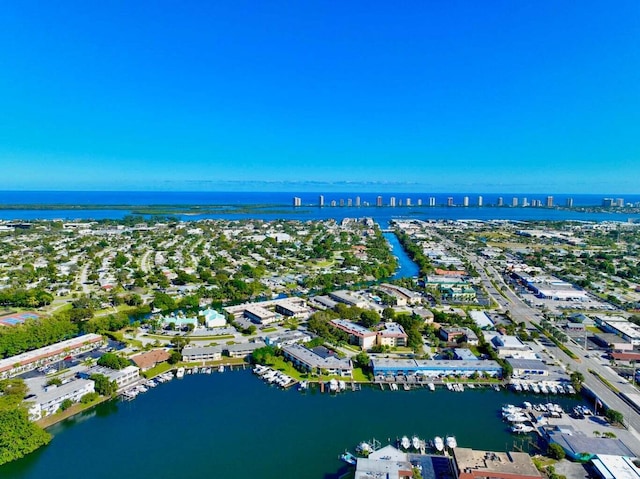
x=443, y=96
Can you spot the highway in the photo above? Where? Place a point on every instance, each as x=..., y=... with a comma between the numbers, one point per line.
x=508, y=300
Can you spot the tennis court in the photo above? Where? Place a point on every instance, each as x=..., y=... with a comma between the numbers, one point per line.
x=17, y=318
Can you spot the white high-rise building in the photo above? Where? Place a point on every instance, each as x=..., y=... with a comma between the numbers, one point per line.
x=321, y=201
x=392, y=201
x=479, y=200
x=432, y=201
x=465, y=201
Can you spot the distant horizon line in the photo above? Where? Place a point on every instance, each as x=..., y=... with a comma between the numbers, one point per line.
x=319, y=192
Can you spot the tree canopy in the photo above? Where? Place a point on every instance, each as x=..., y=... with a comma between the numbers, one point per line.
x=18, y=435
x=113, y=361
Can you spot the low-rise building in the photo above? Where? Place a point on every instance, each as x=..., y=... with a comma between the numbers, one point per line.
x=363, y=337
x=148, y=360
x=289, y=337
x=450, y=334
x=387, y=462
x=608, y=466
x=470, y=464
x=202, y=353
x=311, y=360
x=404, y=296
x=347, y=298
x=122, y=377
x=392, y=335
x=242, y=350
x=22, y=363
x=48, y=400
x=292, y=309
x=509, y=346
x=260, y=315
x=434, y=368
x=528, y=367
x=620, y=326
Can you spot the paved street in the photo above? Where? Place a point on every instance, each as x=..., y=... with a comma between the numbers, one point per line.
x=521, y=312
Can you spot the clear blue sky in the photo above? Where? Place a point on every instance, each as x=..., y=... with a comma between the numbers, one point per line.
x=507, y=95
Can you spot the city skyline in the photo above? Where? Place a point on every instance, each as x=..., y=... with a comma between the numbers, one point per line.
x=235, y=96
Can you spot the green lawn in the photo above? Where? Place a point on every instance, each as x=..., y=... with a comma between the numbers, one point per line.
x=156, y=370
x=269, y=330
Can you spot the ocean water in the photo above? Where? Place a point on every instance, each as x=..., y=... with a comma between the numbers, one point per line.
x=274, y=205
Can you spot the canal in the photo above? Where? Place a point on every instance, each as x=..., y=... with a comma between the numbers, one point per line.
x=406, y=267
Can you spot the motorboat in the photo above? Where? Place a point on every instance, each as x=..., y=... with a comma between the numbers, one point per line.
x=522, y=428
x=405, y=443
x=180, y=372
x=415, y=442
x=438, y=443
x=348, y=458
x=451, y=442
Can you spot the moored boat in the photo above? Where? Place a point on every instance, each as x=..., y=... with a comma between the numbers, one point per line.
x=405, y=443
x=438, y=443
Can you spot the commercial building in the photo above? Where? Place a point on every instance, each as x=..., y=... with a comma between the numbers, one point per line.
x=481, y=319
x=22, y=363
x=581, y=447
x=470, y=464
x=528, y=367
x=318, y=360
x=48, y=400
x=615, y=467
x=621, y=327
x=386, y=463
x=509, y=346
x=549, y=201
x=434, y=368
x=379, y=201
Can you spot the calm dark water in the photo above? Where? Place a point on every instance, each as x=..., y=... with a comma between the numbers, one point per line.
x=280, y=205
x=234, y=425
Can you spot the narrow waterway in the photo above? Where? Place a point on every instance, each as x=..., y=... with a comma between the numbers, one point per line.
x=406, y=267
x=234, y=425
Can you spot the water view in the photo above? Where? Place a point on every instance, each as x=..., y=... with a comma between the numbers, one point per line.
x=233, y=425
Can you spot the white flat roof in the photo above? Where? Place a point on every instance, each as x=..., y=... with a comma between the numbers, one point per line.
x=51, y=350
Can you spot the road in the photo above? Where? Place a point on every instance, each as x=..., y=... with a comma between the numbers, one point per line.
x=507, y=299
